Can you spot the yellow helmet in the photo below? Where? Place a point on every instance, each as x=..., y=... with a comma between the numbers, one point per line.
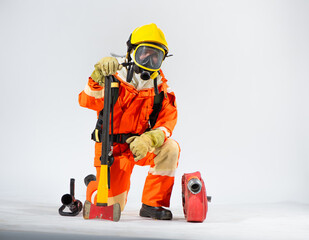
x=149, y=48
x=148, y=33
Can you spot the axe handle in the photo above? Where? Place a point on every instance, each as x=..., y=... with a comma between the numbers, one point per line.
x=102, y=195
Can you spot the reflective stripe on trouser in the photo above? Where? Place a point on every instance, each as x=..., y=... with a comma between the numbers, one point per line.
x=159, y=182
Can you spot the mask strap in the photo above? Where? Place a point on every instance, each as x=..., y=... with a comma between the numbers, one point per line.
x=130, y=72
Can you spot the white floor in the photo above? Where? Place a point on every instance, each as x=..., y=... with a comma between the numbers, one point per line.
x=261, y=221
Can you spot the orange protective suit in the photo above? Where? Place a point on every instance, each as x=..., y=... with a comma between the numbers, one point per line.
x=131, y=115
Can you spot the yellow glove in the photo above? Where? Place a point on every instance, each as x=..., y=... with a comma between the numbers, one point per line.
x=147, y=142
x=105, y=67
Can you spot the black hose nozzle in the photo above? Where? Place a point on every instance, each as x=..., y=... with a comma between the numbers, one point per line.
x=68, y=200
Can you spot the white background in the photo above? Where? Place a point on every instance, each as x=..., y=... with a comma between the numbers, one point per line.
x=239, y=71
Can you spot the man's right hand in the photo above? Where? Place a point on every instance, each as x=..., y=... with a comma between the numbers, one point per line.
x=105, y=67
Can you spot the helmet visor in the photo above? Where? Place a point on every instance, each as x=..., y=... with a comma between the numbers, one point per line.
x=149, y=57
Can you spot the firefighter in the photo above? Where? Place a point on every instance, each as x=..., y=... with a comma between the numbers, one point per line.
x=145, y=115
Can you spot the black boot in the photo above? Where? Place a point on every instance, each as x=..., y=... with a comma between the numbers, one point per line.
x=155, y=212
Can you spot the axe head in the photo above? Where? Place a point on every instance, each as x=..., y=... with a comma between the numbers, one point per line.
x=111, y=213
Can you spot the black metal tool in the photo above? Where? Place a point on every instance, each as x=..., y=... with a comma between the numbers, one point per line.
x=68, y=200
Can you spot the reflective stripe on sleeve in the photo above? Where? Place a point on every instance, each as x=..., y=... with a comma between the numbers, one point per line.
x=94, y=93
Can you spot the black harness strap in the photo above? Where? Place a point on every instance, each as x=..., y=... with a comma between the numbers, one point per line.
x=157, y=106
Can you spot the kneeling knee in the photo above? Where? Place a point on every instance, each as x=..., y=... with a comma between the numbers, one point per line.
x=171, y=147
x=167, y=155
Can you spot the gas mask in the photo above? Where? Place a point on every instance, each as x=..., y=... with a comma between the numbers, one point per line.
x=148, y=59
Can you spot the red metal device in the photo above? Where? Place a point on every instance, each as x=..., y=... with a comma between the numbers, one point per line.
x=194, y=198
